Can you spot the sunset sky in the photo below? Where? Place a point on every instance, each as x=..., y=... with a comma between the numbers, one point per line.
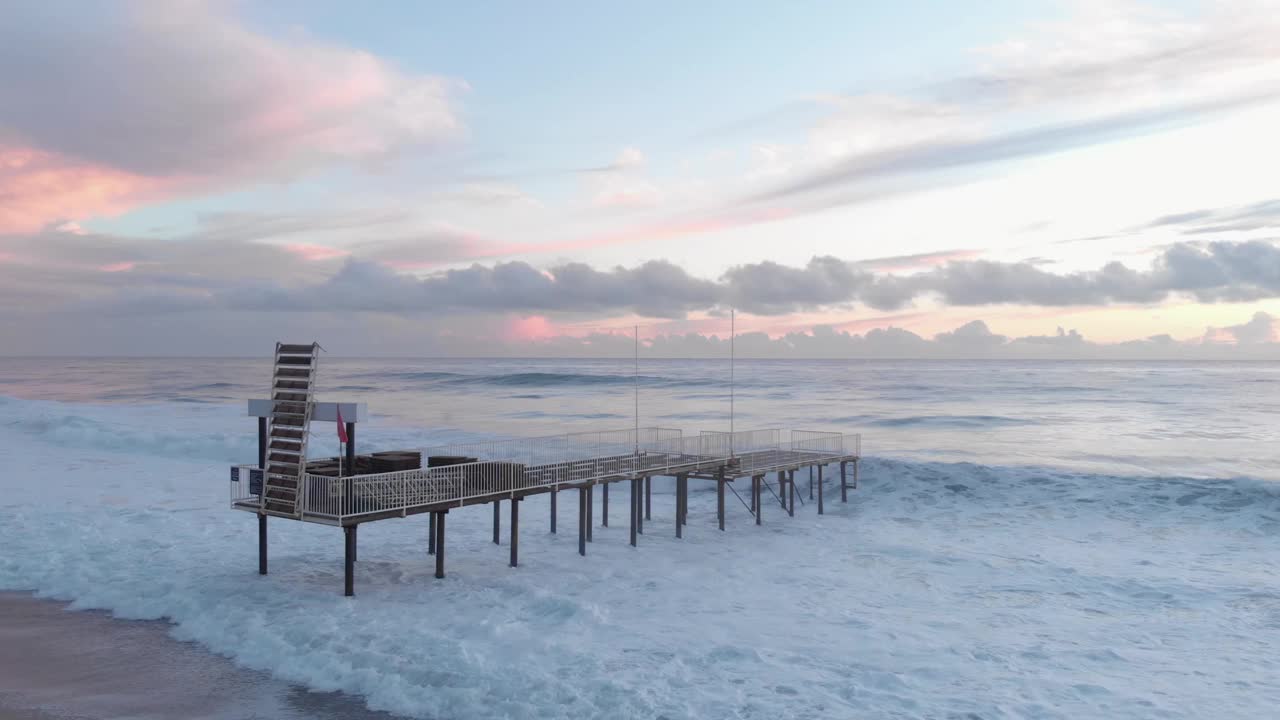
x=879, y=179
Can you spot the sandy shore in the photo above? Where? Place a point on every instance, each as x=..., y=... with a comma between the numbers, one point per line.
x=57, y=664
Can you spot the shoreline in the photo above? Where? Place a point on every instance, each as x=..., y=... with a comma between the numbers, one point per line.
x=61, y=664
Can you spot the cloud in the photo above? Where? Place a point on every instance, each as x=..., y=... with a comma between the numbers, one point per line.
x=254, y=276
x=1242, y=218
x=185, y=93
x=37, y=188
x=1260, y=329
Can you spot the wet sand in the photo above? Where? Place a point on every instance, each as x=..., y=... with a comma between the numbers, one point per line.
x=57, y=664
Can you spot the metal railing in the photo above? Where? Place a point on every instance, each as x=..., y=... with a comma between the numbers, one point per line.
x=510, y=467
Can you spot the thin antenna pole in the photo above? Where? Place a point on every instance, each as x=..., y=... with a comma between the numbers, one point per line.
x=637, y=384
x=732, y=336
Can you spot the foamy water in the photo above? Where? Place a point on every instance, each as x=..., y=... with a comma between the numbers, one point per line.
x=1029, y=540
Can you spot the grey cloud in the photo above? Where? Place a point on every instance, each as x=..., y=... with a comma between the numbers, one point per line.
x=1242, y=218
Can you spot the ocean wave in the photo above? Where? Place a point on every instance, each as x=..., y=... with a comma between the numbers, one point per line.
x=951, y=421
x=1097, y=584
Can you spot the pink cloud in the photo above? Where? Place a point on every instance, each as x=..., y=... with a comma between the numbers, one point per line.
x=531, y=327
x=118, y=267
x=37, y=188
x=309, y=251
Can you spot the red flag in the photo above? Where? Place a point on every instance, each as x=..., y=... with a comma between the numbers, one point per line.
x=342, y=427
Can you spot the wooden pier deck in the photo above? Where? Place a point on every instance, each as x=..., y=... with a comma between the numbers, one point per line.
x=511, y=470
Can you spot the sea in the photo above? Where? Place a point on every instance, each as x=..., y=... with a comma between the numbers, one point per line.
x=1027, y=540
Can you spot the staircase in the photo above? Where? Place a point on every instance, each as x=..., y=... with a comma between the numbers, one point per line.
x=291, y=403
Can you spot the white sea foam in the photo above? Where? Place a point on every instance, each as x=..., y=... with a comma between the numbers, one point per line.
x=940, y=590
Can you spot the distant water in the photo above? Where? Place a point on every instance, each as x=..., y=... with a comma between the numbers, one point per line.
x=1206, y=419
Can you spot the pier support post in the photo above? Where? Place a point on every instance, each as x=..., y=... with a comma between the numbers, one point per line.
x=855, y=474
x=349, y=566
x=582, y=521
x=431, y=534
x=554, y=493
x=262, y=443
x=515, y=529
x=591, y=512
x=604, y=505
x=648, y=499
x=635, y=511
x=844, y=488
x=791, y=490
x=757, y=481
x=810, y=482
x=680, y=505
x=720, y=499
x=782, y=488
x=752, y=493
x=497, y=510
x=262, y=544
x=820, y=493
x=640, y=500
x=440, y=516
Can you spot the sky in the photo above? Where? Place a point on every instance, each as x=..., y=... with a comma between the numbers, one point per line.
x=825, y=179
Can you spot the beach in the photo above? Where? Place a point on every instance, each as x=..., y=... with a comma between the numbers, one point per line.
x=57, y=663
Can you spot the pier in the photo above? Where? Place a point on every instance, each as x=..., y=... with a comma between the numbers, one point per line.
x=351, y=490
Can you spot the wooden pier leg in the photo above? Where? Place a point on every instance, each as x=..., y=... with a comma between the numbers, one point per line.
x=515, y=529
x=440, y=542
x=635, y=509
x=591, y=513
x=640, y=500
x=262, y=443
x=431, y=535
x=554, y=493
x=720, y=500
x=755, y=496
x=349, y=566
x=782, y=488
x=680, y=505
x=262, y=544
x=810, y=482
x=844, y=488
x=497, y=510
x=604, y=505
x=791, y=490
x=582, y=521
x=820, y=493
x=648, y=499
